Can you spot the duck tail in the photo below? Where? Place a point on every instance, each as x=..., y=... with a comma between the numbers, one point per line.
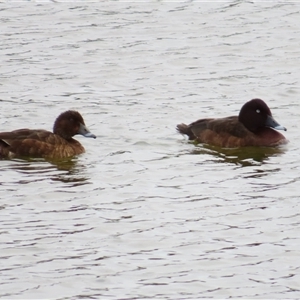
x=185, y=129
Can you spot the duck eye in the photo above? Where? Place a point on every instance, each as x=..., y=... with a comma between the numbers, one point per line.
x=258, y=111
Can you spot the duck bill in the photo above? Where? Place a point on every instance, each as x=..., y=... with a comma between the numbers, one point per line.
x=270, y=122
x=85, y=132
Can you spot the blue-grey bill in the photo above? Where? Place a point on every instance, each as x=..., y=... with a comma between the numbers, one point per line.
x=270, y=122
x=85, y=132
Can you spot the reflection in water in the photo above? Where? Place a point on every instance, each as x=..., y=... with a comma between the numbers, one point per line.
x=246, y=156
x=66, y=170
x=73, y=172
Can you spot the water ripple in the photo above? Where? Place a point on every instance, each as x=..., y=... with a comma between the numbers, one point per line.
x=144, y=213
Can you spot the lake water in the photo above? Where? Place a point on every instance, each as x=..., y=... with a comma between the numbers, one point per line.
x=144, y=214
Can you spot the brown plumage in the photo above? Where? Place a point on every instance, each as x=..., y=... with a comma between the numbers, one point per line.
x=251, y=128
x=45, y=144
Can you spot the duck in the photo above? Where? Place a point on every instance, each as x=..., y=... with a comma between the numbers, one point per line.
x=254, y=126
x=39, y=143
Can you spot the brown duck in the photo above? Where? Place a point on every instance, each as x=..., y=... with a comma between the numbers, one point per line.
x=45, y=144
x=254, y=126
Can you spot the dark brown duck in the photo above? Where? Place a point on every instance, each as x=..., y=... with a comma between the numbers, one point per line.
x=45, y=144
x=254, y=126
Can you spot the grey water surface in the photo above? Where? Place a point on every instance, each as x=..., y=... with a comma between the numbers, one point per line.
x=144, y=214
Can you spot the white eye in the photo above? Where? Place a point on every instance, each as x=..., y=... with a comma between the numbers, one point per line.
x=258, y=111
